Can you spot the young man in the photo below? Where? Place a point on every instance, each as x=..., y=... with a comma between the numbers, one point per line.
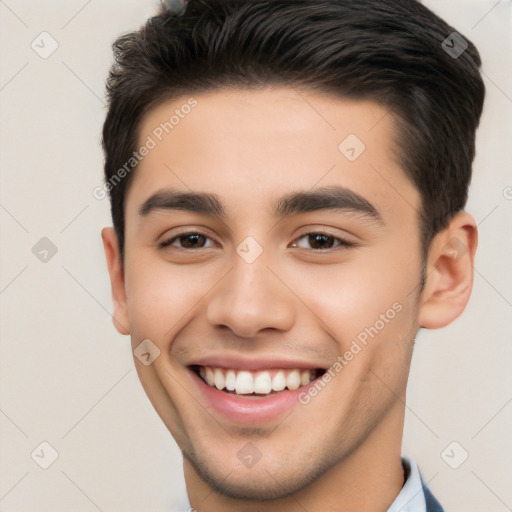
x=288, y=181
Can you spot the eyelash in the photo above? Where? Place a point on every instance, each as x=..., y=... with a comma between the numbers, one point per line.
x=342, y=243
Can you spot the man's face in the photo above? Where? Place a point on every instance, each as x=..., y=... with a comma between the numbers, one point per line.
x=276, y=288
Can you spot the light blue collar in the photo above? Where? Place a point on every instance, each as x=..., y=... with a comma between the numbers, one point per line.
x=412, y=496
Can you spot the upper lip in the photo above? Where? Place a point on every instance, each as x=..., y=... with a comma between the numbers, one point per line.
x=255, y=363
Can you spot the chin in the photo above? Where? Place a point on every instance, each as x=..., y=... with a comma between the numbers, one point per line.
x=257, y=483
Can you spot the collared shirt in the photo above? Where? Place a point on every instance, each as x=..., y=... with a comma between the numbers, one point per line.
x=414, y=496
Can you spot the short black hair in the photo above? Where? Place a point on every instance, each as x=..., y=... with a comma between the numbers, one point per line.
x=395, y=52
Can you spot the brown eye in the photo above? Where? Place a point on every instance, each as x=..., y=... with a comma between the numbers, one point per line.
x=187, y=241
x=322, y=242
x=319, y=241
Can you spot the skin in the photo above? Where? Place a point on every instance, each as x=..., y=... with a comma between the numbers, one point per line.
x=341, y=451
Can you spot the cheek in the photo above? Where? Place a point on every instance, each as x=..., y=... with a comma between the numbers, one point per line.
x=373, y=290
x=158, y=296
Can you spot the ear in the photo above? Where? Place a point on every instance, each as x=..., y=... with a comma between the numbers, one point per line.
x=449, y=272
x=120, y=317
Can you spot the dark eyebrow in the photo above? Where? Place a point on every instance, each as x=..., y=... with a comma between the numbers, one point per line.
x=171, y=199
x=333, y=198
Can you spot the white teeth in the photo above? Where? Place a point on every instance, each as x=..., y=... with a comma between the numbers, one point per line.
x=293, y=380
x=305, y=377
x=244, y=382
x=230, y=380
x=263, y=383
x=209, y=376
x=218, y=379
x=279, y=381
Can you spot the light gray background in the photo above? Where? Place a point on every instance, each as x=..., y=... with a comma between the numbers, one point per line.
x=68, y=378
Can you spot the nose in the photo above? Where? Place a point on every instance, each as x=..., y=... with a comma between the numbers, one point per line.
x=251, y=298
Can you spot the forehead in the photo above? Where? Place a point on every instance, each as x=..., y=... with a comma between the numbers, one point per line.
x=243, y=144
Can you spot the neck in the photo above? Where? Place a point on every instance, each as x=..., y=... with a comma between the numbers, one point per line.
x=367, y=480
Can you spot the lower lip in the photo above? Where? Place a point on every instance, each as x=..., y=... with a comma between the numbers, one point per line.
x=250, y=411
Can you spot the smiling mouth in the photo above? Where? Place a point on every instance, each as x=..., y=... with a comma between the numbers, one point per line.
x=256, y=383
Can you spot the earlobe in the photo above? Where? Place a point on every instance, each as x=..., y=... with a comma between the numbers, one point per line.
x=120, y=316
x=449, y=273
